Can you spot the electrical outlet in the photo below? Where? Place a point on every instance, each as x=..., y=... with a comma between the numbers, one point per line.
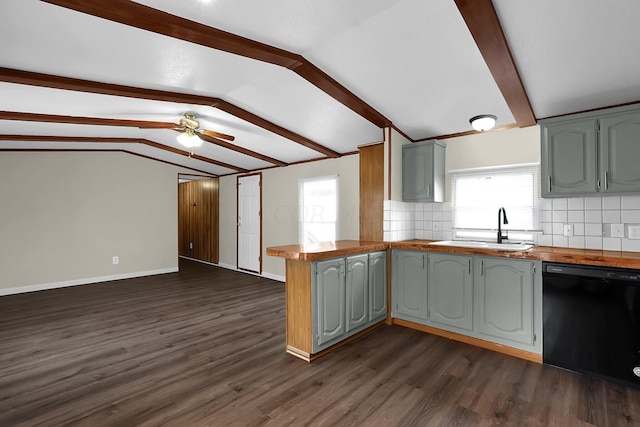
x=116, y=260
x=634, y=232
x=436, y=227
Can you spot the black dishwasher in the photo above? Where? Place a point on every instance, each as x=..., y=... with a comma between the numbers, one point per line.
x=591, y=320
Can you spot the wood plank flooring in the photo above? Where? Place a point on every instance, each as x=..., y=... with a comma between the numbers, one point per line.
x=205, y=346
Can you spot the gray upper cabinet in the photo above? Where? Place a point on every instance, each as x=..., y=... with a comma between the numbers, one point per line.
x=505, y=299
x=591, y=153
x=569, y=164
x=423, y=171
x=450, y=291
x=620, y=152
x=410, y=285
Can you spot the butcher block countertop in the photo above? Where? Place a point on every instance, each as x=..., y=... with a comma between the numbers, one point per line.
x=542, y=253
x=325, y=250
x=341, y=248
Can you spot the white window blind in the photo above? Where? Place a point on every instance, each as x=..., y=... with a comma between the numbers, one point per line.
x=477, y=194
x=318, y=210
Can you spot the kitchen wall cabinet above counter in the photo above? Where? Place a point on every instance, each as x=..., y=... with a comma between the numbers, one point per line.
x=423, y=170
x=594, y=153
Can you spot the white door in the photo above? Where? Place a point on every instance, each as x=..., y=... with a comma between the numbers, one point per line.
x=249, y=224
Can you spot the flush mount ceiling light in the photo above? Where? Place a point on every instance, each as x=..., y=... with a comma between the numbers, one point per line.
x=189, y=139
x=483, y=122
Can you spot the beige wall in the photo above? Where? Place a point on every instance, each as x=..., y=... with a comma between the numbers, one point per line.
x=280, y=207
x=63, y=216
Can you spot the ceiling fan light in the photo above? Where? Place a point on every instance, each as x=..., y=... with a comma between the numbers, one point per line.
x=483, y=122
x=189, y=139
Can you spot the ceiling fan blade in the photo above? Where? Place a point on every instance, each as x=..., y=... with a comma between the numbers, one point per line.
x=158, y=125
x=216, y=134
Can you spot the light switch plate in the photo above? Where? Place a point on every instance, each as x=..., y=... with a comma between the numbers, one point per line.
x=617, y=230
x=568, y=230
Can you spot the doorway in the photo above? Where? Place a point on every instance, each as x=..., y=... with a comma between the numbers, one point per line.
x=249, y=222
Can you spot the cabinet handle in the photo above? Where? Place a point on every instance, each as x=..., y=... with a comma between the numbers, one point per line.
x=606, y=180
x=549, y=183
x=482, y=268
x=469, y=265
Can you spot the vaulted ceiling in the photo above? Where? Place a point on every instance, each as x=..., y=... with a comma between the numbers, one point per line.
x=293, y=80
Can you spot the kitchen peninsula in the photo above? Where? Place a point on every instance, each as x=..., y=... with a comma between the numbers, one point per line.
x=335, y=292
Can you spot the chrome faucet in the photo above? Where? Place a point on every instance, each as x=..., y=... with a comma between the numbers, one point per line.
x=504, y=221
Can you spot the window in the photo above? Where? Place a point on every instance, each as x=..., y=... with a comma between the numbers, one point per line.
x=477, y=194
x=318, y=212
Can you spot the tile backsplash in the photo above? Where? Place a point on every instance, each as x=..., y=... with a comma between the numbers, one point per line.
x=590, y=221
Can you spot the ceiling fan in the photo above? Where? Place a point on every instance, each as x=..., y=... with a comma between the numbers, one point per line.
x=190, y=128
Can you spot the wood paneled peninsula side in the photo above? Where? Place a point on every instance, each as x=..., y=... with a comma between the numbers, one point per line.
x=335, y=292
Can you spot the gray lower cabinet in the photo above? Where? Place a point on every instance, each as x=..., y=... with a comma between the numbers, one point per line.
x=505, y=299
x=591, y=153
x=450, y=299
x=491, y=298
x=348, y=295
x=409, y=285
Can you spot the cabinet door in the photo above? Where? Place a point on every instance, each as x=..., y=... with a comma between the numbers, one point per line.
x=569, y=164
x=357, y=288
x=450, y=291
x=505, y=299
x=410, y=282
x=417, y=172
x=330, y=300
x=620, y=152
x=378, y=285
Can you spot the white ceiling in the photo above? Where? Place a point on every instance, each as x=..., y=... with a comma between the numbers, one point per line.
x=413, y=61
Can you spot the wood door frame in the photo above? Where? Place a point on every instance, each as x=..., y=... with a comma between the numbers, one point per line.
x=238, y=225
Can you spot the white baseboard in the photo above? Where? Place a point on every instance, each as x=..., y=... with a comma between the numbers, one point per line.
x=86, y=281
x=234, y=268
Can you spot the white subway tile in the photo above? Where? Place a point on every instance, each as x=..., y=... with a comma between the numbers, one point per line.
x=611, y=244
x=575, y=216
x=419, y=234
x=559, y=216
x=446, y=207
x=427, y=225
x=387, y=215
x=593, y=229
x=592, y=203
x=428, y=207
x=592, y=242
x=419, y=216
x=437, y=215
x=387, y=204
x=611, y=203
x=630, y=202
x=547, y=204
x=631, y=216
x=446, y=226
x=547, y=216
x=631, y=245
x=447, y=235
x=577, y=242
x=611, y=217
x=547, y=228
x=593, y=217
x=428, y=234
x=386, y=226
x=558, y=229
x=428, y=215
x=575, y=203
x=578, y=229
x=437, y=207
x=545, y=240
x=438, y=235
x=387, y=236
x=560, y=241
x=559, y=204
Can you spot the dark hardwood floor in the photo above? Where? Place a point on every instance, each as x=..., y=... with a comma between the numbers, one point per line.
x=205, y=346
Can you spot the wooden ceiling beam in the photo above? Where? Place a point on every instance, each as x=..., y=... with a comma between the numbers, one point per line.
x=52, y=118
x=147, y=18
x=112, y=140
x=66, y=83
x=482, y=20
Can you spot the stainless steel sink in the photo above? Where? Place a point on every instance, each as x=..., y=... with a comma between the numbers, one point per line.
x=484, y=245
